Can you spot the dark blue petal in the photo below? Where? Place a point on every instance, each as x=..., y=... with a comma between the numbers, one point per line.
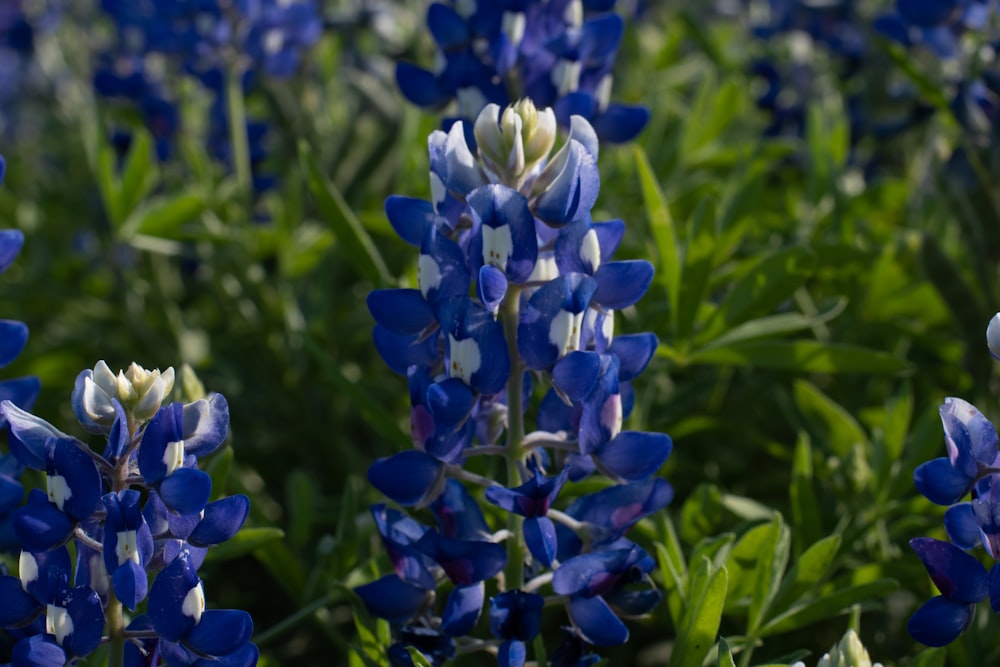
x=477, y=348
x=40, y=525
x=540, y=537
x=186, y=490
x=13, y=337
x=176, y=583
x=17, y=606
x=118, y=438
x=596, y=622
x=407, y=477
x=244, y=657
x=38, y=651
x=85, y=609
x=491, y=287
x=450, y=402
x=940, y=482
x=609, y=235
x=573, y=190
x=958, y=575
x=618, y=508
x=392, y=598
x=404, y=312
x=420, y=86
x=576, y=373
x=458, y=514
x=130, y=584
x=551, y=324
x=45, y=574
x=987, y=515
x=592, y=573
x=30, y=435
x=80, y=475
x=633, y=455
x=447, y=26
x=994, y=584
x=11, y=240
x=220, y=631
x=960, y=524
x=512, y=653
x=164, y=428
x=462, y=609
x=634, y=352
x=621, y=284
x=221, y=520
x=925, y=13
x=964, y=424
x=464, y=561
x=11, y=494
x=516, y=615
x=410, y=217
x=940, y=621
x=505, y=231
x=620, y=123
x=401, y=352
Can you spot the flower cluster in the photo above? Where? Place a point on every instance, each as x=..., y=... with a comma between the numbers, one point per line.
x=140, y=507
x=21, y=391
x=511, y=224
x=210, y=40
x=972, y=466
x=557, y=53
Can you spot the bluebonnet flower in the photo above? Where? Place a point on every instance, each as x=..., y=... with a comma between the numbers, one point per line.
x=138, y=508
x=516, y=285
x=20, y=391
x=554, y=53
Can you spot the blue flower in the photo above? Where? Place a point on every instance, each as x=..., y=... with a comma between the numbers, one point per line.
x=971, y=441
x=516, y=618
x=963, y=583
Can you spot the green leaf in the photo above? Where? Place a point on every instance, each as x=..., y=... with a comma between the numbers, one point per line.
x=661, y=224
x=772, y=557
x=808, y=571
x=699, y=259
x=359, y=248
x=702, y=616
x=371, y=649
x=301, y=502
x=746, y=508
x=931, y=657
x=219, y=467
x=801, y=355
x=725, y=654
x=773, y=325
x=806, y=516
x=417, y=658
x=829, y=605
x=163, y=216
x=701, y=513
x=761, y=288
x=140, y=173
x=245, y=541
x=670, y=560
x=823, y=414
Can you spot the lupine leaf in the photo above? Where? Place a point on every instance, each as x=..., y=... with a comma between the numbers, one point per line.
x=301, y=503
x=162, y=216
x=244, y=542
x=829, y=605
x=802, y=493
x=418, y=658
x=818, y=409
x=701, y=513
x=670, y=560
x=140, y=172
x=359, y=247
x=725, y=654
x=931, y=657
x=771, y=560
x=699, y=254
x=808, y=571
x=801, y=355
x=218, y=469
x=668, y=266
x=702, y=616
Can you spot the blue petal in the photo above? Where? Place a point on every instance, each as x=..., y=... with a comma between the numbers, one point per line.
x=591, y=574
x=186, y=490
x=576, y=373
x=633, y=455
x=515, y=614
x=392, y=598
x=130, y=584
x=959, y=576
x=469, y=324
x=220, y=631
x=491, y=287
x=596, y=622
x=497, y=206
x=570, y=293
x=17, y=606
x=609, y=235
x=221, y=520
x=40, y=525
x=573, y=190
x=634, y=352
x=994, y=584
x=987, y=514
x=512, y=653
x=38, y=651
x=940, y=482
x=450, y=401
x=51, y=573
x=119, y=437
x=464, y=561
x=458, y=514
x=407, y=477
x=618, y=508
x=165, y=427
x=620, y=123
x=404, y=312
x=166, y=598
x=540, y=537
x=244, y=657
x=971, y=432
x=960, y=524
x=205, y=425
x=940, y=621
x=621, y=284
x=80, y=473
x=20, y=391
x=30, y=435
x=420, y=86
x=85, y=609
x=462, y=609
x=401, y=352
x=925, y=13
x=11, y=494
x=13, y=337
x=410, y=217
x=11, y=240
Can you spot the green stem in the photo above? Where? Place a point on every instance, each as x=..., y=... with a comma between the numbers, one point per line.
x=116, y=631
x=514, y=572
x=240, y=144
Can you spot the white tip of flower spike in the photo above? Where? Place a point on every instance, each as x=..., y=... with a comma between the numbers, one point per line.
x=993, y=336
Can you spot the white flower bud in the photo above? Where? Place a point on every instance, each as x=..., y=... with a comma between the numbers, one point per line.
x=993, y=336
